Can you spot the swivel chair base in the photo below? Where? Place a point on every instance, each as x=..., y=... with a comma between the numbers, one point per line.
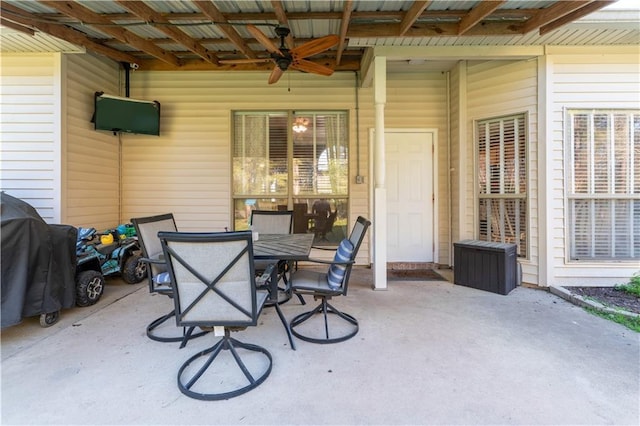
x=324, y=308
x=230, y=344
x=187, y=333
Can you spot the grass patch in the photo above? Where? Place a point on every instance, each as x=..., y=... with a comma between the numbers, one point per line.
x=632, y=287
x=629, y=322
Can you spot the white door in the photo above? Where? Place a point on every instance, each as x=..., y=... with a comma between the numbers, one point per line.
x=409, y=171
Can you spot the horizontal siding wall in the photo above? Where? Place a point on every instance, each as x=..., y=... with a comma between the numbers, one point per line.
x=418, y=100
x=187, y=170
x=30, y=131
x=91, y=158
x=585, y=81
x=496, y=88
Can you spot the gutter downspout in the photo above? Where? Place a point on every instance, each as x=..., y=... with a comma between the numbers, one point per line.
x=449, y=220
x=359, y=178
x=127, y=83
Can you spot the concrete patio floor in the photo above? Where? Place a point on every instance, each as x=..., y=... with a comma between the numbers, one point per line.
x=427, y=352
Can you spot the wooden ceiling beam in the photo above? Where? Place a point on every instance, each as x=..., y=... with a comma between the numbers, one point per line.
x=552, y=13
x=16, y=26
x=152, y=17
x=409, y=18
x=203, y=41
x=293, y=16
x=477, y=14
x=201, y=65
x=576, y=14
x=215, y=15
x=327, y=54
x=281, y=16
x=344, y=26
x=228, y=54
x=65, y=33
x=77, y=11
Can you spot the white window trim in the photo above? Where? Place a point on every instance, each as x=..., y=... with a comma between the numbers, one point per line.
x=569, y=193
x=524, y=195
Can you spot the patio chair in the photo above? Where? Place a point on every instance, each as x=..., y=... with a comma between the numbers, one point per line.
x=274, y=222
x=214, y=287
x=325, y=286
x=147, y=229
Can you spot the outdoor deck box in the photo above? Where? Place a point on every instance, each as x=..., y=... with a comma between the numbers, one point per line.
x=485, y=265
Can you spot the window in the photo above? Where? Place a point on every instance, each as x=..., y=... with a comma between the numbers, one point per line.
x=603, y=184
x=502, y=179
x=293, y=160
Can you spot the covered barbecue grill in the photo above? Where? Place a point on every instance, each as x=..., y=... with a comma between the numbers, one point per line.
x=38, y=264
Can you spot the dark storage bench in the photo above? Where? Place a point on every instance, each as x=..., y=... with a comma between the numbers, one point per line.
x=485, y=265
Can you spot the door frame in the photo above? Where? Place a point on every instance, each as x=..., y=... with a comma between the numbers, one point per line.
x=434, y=159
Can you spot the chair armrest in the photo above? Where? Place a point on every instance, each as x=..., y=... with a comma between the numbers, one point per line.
x=330, y=262
x=323, y=248
x=266, y=275
x=154, y=261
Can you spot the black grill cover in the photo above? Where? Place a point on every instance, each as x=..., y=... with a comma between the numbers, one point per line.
x=38, y=262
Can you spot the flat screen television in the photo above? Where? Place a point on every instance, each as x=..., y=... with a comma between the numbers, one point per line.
x=117, y=114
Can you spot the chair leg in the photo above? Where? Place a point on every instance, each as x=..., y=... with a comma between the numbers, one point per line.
x=287, y=286
x=187, y=334
x=286, y=326
x=326, y=320
x=230, y=344
x=324, y=308
x=341, y=314
x=290, y=266
x=290, y=292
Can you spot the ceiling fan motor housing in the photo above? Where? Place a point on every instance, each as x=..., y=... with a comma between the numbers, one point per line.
x=282, y=32
x=283, y=62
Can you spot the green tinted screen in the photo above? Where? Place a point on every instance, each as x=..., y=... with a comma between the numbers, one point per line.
x=128, y=115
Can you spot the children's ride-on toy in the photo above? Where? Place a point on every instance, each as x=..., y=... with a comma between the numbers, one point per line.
x=105, y=256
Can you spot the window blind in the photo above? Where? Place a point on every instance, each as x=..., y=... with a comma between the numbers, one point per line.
x=502, y=178
x=274, y=158
x=604, y=184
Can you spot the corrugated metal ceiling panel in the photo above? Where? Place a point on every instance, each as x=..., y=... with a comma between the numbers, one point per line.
x=381, y=5
x=587, y=31
x=565, y=36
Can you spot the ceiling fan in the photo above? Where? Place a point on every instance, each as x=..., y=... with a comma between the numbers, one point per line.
x=289, y=58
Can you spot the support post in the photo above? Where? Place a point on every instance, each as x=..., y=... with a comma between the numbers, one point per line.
x=380, y=190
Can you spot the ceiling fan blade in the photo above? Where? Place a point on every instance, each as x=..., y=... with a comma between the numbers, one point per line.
x=312, y=67
x=263, y=39
x=275, y=75
x=244, y=61
x=316, y=46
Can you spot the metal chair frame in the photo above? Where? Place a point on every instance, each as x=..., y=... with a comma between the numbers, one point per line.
x=324, y=293
x=215, y=295
x=272, y=218
x=267, y=228
x=147, y=229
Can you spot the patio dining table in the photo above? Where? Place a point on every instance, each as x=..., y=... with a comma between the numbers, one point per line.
x=277, y=247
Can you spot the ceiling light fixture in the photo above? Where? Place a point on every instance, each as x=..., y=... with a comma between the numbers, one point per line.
x=300, y=125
